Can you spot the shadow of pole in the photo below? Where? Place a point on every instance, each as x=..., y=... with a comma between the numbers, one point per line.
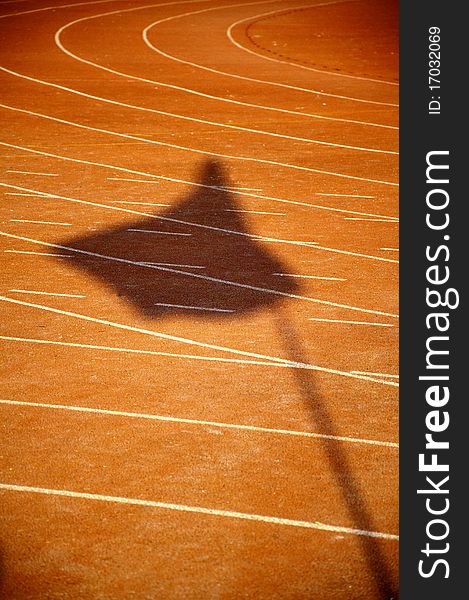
x=338, y=460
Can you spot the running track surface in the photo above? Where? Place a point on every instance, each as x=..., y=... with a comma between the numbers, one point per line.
x=199, y=299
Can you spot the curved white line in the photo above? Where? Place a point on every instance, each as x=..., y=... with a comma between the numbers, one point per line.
x=194, y=150
x=13, y=2
x=28, y=12
x=312, y=245
x=169, y=419
x=245, y=78
x=195, y=357
x=254, y=18
x=198, y=510
x=189, y=274
x=58, y=42
x=196, y=120
x=193, y=183
x=191, y=342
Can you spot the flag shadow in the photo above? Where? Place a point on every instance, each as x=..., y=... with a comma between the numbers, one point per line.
x=197, y=253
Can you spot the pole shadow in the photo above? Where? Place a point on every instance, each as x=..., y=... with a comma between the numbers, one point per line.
x=339, y=462
x=200, y=254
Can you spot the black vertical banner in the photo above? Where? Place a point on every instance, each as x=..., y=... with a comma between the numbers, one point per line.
x=434, y=439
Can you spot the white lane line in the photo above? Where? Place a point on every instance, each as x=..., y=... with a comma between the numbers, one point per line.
x=209, y=227
x=39, y=253
x=351, y=322
x=194, y=150
x=39, y=222
x=222, y=425
x=27, y=12
x=47, y=293
x=254, y=18
x=30, y=172
x=159, y=232
x=20, y=194
x=202, y=308
x=309, y=276
x=191, y=342
x=197, y=509
x=236, y=188
x=375, y=374
x=344, y=195
x=391, y=249
x=196, y=357
x=154, y=82
x=371, y=220
x=191, y=183
x=199, y=276
x=165, y=264
x=357, y=254
x=12, y=2
x=194, y=119
x=132, y=180
x=139, y=203
x=242, y=77
x=255, y=212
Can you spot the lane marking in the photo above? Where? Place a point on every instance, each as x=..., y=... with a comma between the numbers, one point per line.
x=173, y=220
x=309, y=276
x=222, y=425
x=209, y=227
x=20, y=194
x=351, y=322
x=391, y=249
x=191, y=183
x=132, y=180
x=347, y=252
x=376, y=374
x=39, y=222
x=240, y=193
x=255, y=18
x=197, y=509
x=39, y=253
x=202, y=308
x=194, y=150
x=194, y=119
x=58, y=42
x=159, y=232
x=12, y=2
x=30, y=172
x=191, y=342
x=199, y=276
x=27, y=12
x=139, y=203
x=394, y=221
x=196, y=357
x=344, y=195
x=237, y=188
x=165, y=264
x=255, y=212
x=242, y=77
x=47, y=293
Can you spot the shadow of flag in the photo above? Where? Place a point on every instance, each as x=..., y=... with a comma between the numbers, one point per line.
x=196, y=258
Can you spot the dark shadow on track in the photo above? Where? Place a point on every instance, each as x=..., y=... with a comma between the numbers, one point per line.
x=203, y=253
x=229, y=271
x=338, y=461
